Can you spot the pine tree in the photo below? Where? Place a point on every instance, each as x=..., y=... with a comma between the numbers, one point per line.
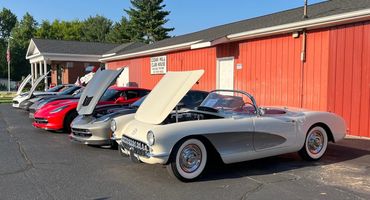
x=120, y=32
x=147, y=20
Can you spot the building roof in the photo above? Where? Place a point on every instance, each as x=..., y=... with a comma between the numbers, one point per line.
x=72, y=47
x=124, y=47
x=315, y=11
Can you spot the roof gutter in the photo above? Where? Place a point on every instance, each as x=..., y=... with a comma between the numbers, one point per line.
x=62, y=55
x=176, y=47
x=209, y=44
x=306, y=24
x=108, y=55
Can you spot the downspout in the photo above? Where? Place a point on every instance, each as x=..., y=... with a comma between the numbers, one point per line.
x=303, y=62
x=303, y=51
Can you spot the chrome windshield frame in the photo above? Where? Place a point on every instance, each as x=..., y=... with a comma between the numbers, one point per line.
x=254, y=102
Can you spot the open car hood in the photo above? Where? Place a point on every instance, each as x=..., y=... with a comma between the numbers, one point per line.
x=95, y=89
x=33, y=88
x=166, y=95
x=23, y=84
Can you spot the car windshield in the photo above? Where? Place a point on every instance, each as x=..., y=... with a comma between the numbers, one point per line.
x=190, y=100
x=109, y=95
x=231, y=102
x=69, y=90
x=139, y=102
x=55, y=89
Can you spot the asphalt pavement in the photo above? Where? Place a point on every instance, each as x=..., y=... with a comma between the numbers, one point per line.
x=37, y=164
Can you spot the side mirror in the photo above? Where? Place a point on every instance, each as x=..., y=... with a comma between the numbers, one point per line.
x=120, y=100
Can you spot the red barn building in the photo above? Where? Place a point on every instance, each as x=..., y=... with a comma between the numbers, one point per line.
x=320, y=62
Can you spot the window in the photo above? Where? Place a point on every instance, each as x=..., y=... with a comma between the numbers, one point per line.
x=131, y=94
x=143, y=92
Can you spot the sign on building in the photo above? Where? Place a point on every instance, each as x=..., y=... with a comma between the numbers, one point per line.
x=158, y=65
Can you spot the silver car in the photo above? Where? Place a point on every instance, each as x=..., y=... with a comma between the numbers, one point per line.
x=95, y=129
x=88, y=127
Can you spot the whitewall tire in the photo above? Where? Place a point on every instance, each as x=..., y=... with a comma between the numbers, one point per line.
x=315, y=144
x=189, y=160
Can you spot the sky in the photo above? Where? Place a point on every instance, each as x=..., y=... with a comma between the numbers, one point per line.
x=186, y=15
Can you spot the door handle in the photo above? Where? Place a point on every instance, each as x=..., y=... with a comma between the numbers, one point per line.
x=290, y=121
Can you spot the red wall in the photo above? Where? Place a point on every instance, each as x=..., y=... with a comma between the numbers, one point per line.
x=349, y=76
x=335, y=74
x=139, y=68
x=272, y=70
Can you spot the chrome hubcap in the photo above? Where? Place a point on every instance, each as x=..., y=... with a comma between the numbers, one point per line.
x=190, y=158
x=315, y=142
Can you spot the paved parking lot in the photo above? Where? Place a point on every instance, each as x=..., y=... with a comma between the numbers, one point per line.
x=36, y=164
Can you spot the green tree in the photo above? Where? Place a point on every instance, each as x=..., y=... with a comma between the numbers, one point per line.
x=60, y=30
x=147, y=20
x=120, y=32
x=22, y=33
x=7, y=23
x=45, y=31
x=96, y=29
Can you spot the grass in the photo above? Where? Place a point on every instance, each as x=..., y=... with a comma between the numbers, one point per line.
x=6, y=97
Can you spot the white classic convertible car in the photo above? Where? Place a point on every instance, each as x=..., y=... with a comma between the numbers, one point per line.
x=228, y=124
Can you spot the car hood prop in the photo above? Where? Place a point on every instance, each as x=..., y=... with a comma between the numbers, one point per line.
x=166, y=95
x=95, y=89
x=23, y=84
x=35, y=84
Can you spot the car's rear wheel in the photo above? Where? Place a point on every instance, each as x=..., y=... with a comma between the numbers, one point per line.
x=68, y=120
x=315, y=144
x=189, y=160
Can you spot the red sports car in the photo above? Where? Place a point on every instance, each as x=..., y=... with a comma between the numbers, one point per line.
x=58, y=115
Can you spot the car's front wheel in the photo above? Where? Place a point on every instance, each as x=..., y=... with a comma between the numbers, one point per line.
x=189, y=160
x=68, y=120
x=315, y=144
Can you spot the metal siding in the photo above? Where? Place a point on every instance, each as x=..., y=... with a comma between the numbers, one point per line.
x=271, y=69
x=349, y=81
x=176, y=61
x=315, y=71
x=336, y=71
x=196, y=59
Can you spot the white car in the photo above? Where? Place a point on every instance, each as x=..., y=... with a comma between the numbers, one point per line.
x=228, y=124
x=27, y=95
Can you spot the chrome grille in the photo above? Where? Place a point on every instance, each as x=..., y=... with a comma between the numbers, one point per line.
x=41, y=120
x=137, y=147
x=81, y=132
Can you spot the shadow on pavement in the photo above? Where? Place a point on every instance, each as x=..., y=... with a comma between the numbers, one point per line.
x=346, y=150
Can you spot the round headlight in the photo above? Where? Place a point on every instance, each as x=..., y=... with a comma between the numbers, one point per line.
x=113, y=125
x=150, y=137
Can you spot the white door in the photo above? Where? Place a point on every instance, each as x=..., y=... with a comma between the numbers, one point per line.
x=124, y=79
x=225, y=79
